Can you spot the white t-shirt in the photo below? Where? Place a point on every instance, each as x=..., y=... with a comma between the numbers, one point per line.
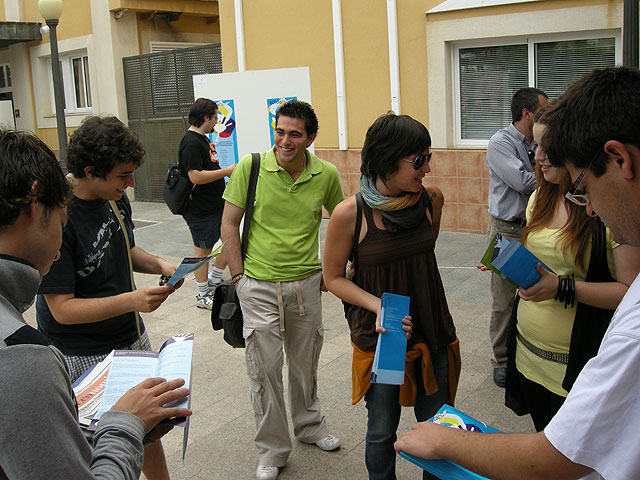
x=599, y=423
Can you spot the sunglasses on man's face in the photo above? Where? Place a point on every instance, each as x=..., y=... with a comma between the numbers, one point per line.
x=418, y=162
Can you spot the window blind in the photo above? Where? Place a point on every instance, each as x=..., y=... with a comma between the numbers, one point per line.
x=489, y=76
x=559, y=64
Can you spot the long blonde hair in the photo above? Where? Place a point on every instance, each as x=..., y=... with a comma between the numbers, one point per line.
x=580, y=227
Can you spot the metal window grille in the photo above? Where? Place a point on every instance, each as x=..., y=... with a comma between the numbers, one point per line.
x=159, y=93
x=161, y=84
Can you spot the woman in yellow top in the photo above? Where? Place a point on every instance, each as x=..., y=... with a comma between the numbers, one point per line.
x=561, y=234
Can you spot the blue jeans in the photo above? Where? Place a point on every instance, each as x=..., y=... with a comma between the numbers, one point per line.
x=384, y=415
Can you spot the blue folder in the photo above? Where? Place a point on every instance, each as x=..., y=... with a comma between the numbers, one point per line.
x=391, y=349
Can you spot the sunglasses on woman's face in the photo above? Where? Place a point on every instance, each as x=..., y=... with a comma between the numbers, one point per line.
x=418, y=162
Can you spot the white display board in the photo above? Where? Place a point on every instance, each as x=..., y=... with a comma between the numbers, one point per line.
x=6, y=114
x=250, y=91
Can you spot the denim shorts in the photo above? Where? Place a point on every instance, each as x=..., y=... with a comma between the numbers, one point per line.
x=205, y=229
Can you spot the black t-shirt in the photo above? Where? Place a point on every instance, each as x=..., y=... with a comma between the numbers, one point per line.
x=196, y=152
x=93, y=264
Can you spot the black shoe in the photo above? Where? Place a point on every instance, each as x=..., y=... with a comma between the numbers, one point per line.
x=500, y=376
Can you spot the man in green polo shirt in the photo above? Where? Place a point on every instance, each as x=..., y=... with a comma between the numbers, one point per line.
x=279, y=281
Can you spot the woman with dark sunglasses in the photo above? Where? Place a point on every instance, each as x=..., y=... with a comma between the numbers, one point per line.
x=395, y=254
x=558, y=323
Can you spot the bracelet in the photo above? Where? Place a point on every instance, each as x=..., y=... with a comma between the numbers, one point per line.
x=566, y=292
x=237, y=275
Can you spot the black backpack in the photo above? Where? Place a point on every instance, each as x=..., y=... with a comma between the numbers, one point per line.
x=177, y=190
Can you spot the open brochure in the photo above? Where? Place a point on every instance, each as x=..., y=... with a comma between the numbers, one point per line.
x=100, y=387
x=391, y=349
x=512, y=261
x=445, y=469
x=191, y=264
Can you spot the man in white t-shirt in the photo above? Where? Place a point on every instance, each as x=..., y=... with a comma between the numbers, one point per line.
x=593, y=131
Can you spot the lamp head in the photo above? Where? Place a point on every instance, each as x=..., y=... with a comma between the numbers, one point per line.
x=50, y=9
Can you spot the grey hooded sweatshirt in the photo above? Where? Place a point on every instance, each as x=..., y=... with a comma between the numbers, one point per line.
x=39, y=433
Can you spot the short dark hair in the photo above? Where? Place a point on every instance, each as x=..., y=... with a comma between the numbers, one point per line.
x=390, y=138
x=528, y=98
x=201, y=108
x=601, y=106
x=28, y=170
x=301, y=110
x=102, y=143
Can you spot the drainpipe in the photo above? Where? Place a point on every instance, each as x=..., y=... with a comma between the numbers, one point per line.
x=237, y=6
x=630, y=33
x=394, y=63
x=339, y=65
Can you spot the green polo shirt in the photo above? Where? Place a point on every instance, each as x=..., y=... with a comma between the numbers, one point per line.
x=283, y=238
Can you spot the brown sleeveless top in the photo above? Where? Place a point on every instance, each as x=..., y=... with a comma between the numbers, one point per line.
x=404, y=263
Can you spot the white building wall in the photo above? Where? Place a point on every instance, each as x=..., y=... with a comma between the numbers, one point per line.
x=441, y=34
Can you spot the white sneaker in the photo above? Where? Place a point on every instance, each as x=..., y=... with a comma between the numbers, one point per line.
x=328, y=443
x=267, y=473
x=205, y=301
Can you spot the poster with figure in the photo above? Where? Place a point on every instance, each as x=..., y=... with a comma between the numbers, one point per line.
x=273, y=104
x=250, y=90
x=223, y=136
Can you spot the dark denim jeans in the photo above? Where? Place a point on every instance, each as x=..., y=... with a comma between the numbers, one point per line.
x=384, y=416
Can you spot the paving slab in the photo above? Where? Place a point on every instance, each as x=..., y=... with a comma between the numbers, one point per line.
x=222, y=426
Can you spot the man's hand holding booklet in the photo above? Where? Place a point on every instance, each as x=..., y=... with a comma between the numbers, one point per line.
x=103, y=385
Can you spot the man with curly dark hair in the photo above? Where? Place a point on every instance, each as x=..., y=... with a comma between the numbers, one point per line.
x=87, y=305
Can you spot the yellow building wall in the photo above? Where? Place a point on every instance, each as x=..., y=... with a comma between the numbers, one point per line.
x=366, y=66
x=74, y=22
x=3, y=18
x=306, y=39
x=297, y=33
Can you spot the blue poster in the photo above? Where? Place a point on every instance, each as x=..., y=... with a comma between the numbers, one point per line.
x=224, y=135
x=273, y=104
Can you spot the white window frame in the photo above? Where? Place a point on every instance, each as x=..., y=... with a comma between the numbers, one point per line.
x=7, y=87
x=530, y=41
x=68, y=81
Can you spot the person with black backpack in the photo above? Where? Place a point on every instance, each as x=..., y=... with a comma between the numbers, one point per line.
x=198, y=161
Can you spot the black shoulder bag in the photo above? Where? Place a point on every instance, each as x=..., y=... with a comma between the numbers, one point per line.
x=177, y=190
x=225, y=310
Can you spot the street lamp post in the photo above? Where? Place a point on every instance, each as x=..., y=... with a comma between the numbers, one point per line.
x=51, y=11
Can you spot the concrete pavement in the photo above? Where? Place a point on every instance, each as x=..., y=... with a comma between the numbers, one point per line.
x=222, y=426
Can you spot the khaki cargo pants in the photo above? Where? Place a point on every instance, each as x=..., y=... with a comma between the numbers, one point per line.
x=277, y=315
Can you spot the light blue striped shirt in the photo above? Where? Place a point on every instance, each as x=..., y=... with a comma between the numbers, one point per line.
x=511, y=175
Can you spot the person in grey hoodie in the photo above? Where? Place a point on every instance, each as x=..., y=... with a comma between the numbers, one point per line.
x=40, y=436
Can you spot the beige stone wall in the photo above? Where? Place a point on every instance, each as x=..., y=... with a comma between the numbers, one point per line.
x=462, y=175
